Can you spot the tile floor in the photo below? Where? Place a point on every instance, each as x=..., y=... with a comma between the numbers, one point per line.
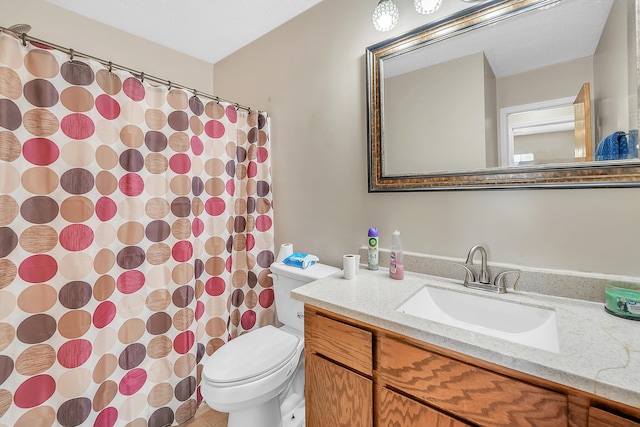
x=207, y=417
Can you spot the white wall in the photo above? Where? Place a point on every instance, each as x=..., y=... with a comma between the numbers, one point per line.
x=551, y=147
x=614, y=110
x=416, y=106
x=553, y=82
x=310, y=75
x=491, y=116
x=64, y=28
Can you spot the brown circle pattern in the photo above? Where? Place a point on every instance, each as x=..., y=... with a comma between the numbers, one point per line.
x=130, y=242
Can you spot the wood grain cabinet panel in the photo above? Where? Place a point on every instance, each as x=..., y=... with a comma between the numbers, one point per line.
x=417, y=384
x=343, y=343
x=474, y=394
x=336, y=396
x=396, y=410
x=600, y=418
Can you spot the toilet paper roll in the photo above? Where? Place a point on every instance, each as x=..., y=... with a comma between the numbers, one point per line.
x=357, y=257
x=350, y=266
x=286, y=249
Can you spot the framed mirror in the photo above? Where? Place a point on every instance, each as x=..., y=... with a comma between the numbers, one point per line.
x=507, y=94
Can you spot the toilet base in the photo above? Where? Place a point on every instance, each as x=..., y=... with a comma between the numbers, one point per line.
x=266, y=415
x=295, y=417
x=270, y=414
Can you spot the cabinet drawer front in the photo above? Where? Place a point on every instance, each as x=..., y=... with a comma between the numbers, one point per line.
x=336, y=396
x=600, y=418
x=472, y=393
x=396, y=410
x=343, y=343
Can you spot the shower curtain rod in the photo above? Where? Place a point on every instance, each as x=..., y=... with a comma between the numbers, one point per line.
x=141, y=75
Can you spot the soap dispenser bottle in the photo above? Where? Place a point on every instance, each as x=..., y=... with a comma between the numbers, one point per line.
x=396, y=266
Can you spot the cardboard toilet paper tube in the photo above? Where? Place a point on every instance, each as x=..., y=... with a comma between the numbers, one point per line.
x=286, y=249
x=350, y=266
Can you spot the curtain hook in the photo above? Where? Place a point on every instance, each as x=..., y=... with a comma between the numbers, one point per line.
x=70, y=55
x=217, y=100
x=142, y=76
x=110, y=66
x=24, y=39
x=237, y=106
x=169, y=84
x=195, y=93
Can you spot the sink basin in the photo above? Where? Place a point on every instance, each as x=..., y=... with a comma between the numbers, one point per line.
x=519, y=323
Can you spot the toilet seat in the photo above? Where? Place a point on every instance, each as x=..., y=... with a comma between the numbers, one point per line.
x=238, y=362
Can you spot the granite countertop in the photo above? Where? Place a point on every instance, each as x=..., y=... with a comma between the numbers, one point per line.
x=599, y=353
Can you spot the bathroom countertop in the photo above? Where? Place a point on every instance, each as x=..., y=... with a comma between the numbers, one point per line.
x=599, y=352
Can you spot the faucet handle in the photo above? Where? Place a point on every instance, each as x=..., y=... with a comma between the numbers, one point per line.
x=500, y=281
x=469, y=274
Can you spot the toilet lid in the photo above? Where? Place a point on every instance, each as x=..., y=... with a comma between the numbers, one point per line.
x=251, y=355
x=309, y=274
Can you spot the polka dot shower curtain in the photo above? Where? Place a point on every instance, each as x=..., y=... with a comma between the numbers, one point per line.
x=135, y=238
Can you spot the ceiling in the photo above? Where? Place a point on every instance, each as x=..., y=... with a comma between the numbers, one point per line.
x=565, y=31
x=208, y=30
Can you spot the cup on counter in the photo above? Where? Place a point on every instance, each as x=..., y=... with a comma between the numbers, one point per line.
x=350, y=265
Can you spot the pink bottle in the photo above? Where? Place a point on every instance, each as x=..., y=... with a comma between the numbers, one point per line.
x=396, y=266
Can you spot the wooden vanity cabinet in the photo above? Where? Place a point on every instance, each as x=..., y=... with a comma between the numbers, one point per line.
x=601, y=418
x=473, y=394
x=394, y=409
x=338, y=373
x=361, y=375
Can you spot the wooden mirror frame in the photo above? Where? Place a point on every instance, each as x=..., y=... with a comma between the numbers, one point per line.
x=582, y=175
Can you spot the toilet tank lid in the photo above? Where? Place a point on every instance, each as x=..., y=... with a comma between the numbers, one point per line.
x=314, y=272
x=250, y=355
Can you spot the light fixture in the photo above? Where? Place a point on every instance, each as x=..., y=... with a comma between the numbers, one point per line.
x=385, y=15
x=427, y=6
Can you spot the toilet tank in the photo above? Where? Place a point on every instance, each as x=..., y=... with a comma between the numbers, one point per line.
x=285, y=279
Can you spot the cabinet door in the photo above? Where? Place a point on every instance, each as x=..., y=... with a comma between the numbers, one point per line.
x=600, y=418
x=336, y=396
x=393, y=409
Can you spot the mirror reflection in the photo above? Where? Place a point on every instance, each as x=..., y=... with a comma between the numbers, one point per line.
x=550, y=85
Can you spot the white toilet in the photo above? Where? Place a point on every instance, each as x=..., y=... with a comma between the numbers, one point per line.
x=258, y=377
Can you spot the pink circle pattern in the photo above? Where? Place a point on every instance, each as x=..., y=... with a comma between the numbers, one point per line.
x=109, y=266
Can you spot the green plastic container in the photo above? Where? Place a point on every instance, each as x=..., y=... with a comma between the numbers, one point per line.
x=622, y=302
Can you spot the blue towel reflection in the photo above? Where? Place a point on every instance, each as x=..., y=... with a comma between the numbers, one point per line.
x=617, y=146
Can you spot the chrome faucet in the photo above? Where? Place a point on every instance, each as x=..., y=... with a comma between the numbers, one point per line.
x=483, y=277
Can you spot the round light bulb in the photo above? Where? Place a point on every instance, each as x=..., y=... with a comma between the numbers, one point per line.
x=385, y=15
x=427, y=6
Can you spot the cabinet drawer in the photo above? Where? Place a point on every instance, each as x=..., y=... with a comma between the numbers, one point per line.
x=397, y=410
x=338, y=341
x=472, y=393
x=600, y=418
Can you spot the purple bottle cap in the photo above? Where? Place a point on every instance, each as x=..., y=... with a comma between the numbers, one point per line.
x=373, y=232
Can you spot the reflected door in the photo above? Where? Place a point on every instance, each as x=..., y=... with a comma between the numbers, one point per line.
x=582, y=129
